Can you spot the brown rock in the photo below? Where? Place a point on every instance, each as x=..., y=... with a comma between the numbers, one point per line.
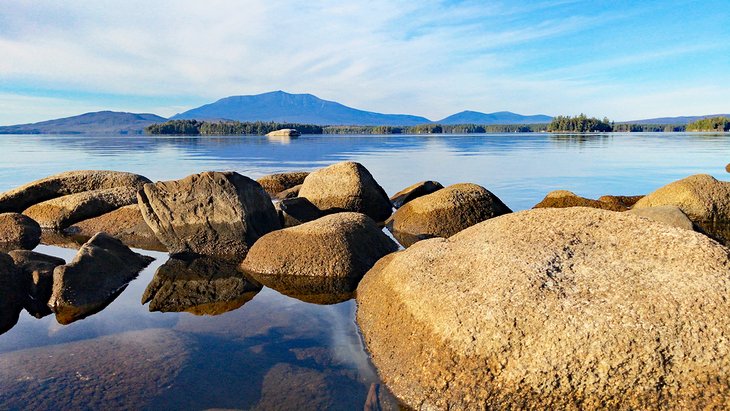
x=125, y=223
x=18, y=232
x=621, y=201
x=62, y=212
x=62, y=184
x=347, y=186
x=444, y=213
x=212, y=213
x=12, y=293
x=573, y=308
x=288, y=193
x=670, y=215
x=727, y=168
x=416, y=190
x=101, y=270
x=295, y=211
x=276, y=183
x=564, y=198
x=37, y=271
x=337, y=245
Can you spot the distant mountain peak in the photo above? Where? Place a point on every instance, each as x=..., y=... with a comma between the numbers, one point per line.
x=95, y=122
x=499, y=117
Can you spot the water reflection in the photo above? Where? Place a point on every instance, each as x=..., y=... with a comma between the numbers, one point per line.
x=315, y=290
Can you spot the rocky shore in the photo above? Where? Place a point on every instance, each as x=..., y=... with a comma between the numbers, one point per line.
x=616, y=302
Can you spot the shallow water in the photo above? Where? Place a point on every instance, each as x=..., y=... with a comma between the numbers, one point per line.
x=276, y=351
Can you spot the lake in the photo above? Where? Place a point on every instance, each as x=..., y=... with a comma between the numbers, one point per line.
x=276, y=351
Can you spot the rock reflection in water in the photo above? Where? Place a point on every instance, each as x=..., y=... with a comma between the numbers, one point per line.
x=199, y=285
x=11, y=296
x=315, y=290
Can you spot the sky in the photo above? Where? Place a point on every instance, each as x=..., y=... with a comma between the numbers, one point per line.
x=621, y=59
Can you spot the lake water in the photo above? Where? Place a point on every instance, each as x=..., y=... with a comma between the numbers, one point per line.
x=275, y=351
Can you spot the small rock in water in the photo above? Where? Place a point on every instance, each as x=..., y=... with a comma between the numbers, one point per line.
x=18, y=232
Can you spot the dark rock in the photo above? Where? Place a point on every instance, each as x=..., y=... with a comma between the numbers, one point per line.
x=314, y=290
x=295, y=211
x=276, y=183
x=18, y=232
x=37, y=271
x=62, y=184
x=101, y=270
x=125, y=223
x=564, y=199
x=621, y=201
x=288, y=193
x=416, y=190
x=212, y=213
x=201, y=286
x=12, y=293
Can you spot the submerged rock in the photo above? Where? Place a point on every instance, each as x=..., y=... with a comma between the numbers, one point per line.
x=12, y=293
x=416, y=190
x=572, y=308
x=211, y=213
x=337, y=245
x=125, y=223
x=347, y=186
x=564, y=198
x=314, y=290
x=101, y=270
x=37, y=272
x=670, y=215
x=444, y=213
x=63, y=184
x=18, y=232
x=276, y=183
x=201, y=286
x=62, y=212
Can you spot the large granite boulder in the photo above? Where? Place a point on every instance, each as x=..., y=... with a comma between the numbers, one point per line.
x=62, y=212
x=671, y=215
x=101, y=270
x=37, y=275
x=444, y=213
x=62, y=184
x=572, y=308
x=217, y=214
x=276, y=183
x=12, y=293
x=565, y=198
x=337, y=245
x=414, y=191
x=18, y=232
x=125, y=223
x=347, y=186
x=200, y=285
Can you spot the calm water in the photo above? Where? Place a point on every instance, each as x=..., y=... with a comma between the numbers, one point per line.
x=276, y=351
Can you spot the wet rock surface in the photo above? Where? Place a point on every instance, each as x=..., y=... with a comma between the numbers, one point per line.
x=338, y=245
x=553, y=308
x=125, y=223
x=212, y=213
x=37, y=273
x=347, y=186
x=18, y=232
x=276, y=183
x=444, y=213
x=63, y=184
x=100, y=271
x=201, y=286
x=414, y=191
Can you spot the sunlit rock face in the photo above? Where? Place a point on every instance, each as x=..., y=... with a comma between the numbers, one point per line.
x=125, y=223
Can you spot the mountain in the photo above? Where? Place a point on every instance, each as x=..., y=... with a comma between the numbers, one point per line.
x=100, y=122
x=283, y=107
x=673, y=120
x=500, y=117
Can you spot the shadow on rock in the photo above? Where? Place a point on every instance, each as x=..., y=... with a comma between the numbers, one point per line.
x=315, y=290
x=199, y=285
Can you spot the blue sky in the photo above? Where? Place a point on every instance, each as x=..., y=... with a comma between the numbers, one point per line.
x=621, y=59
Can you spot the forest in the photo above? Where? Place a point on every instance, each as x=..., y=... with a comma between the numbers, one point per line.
x=710, y=124
x=579, y=124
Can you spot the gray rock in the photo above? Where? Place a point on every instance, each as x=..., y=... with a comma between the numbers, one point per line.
x=37, y=272
x=212, y=213
x=18, y=232
x=416, y=190
x=670, y=215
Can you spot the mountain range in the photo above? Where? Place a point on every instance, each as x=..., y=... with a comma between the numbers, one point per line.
x=282, y=107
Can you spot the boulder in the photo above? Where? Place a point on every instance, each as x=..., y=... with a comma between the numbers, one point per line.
x=18, y=232
x=564, y=198
x=37, y=272
x=218, y=214
x=573, y=308
x=313, y=290
x=125, y=223
x=276, y=183
x=62, y=212
x=727, y=168
x=337, y=245
x=62, y=184
x=347, y=186
x=705, y=200
x=99, y=272
x=670, y=215
x=621, y=201
x=444, y=213
x=288, y=193
x=416, y=190
x=284, y=132
x=295, y=211
x=11, y=293
x=200, y=285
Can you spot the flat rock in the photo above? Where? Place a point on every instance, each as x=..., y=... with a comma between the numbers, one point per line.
x=670, y=215
x=37, y=272
x=18, y=232
x=337, y=245
x=572, y=308
x=12, y=293
x=201, y=286
x=101, y=270
x=347, y=186
x=217, y=214
x=444, y=213
x=62, y=212
x=63, y=184
x=565, y=198
x=416, y=190
x=125, y=223
x=276, y=183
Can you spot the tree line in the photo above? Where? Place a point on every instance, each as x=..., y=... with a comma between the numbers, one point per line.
x=710, y=124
